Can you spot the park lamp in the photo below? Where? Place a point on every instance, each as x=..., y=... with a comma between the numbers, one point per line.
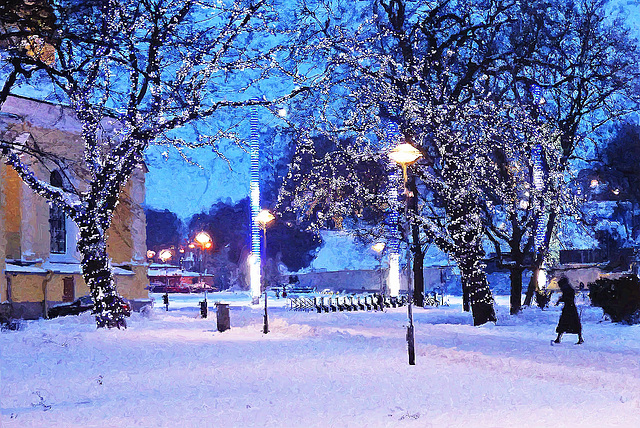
x=165, y=255
x=264, y=218
x=378, y=247
x=203, y=240
x=151, y=254
x=404, y=155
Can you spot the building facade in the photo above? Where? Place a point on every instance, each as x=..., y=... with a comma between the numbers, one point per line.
x=38, y=252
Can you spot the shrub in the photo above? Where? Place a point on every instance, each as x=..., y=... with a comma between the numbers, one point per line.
x=542, y=298
x=619, y=298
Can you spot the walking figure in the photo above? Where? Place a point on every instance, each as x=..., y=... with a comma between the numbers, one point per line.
x=569, y=320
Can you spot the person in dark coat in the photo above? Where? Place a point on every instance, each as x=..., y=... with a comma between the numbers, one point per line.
x=569, y=320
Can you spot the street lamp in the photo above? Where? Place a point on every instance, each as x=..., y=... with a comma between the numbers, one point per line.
x=165, y=255
x=264, y=218
x=404, y=155
x=204, y=242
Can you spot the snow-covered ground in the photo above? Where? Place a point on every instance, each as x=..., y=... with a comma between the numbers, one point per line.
x=344, y=369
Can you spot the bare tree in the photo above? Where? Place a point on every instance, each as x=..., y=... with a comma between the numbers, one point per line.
x=584, y=64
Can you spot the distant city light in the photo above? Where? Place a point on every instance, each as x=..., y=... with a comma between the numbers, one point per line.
x=594, y=183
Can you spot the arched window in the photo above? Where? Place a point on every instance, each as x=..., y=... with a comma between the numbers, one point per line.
x=57, y=220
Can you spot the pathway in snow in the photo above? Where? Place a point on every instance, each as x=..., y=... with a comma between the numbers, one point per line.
x=350, y=369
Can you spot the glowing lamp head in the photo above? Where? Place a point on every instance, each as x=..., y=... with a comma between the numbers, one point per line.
x=202, y=239
x=151, y=254
x=165, y=255
x=594, y=183
x=264, y=217
x=378, y=247
x=404, y=155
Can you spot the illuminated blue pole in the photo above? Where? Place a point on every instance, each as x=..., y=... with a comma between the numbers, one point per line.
x=254, y=258
x=393, y=280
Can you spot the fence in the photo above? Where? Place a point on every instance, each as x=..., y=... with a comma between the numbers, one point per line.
x=324, y=304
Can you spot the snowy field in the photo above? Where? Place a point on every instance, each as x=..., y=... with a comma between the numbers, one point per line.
x=344, y=369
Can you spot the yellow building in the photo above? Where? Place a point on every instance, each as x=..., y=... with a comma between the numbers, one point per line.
x=38, y=255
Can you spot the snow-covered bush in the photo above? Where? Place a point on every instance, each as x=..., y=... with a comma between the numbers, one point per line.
x=619, y=298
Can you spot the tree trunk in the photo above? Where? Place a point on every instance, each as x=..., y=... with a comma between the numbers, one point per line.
x=418, y=268
x=474, y=284
x=418, y=254
x=533, y=286
x=465, y=299
x=108, y=306
x=515, y=275
x=539, y=259
x=466, y=231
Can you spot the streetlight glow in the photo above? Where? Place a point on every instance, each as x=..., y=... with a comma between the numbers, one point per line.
x=264, y=218
x=404, y=155
x=165, y=255
x=378, y=247
x=203, y=240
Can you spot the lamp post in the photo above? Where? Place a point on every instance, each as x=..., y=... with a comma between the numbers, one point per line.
x=204, y=242
x=404, y=155
x=264, y=218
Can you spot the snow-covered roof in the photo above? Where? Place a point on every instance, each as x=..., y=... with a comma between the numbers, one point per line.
x=14, y=268
x=165, y=270
x=62, y=268
x=341, y=252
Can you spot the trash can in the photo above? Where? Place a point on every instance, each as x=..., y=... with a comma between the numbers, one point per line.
x=224, y=322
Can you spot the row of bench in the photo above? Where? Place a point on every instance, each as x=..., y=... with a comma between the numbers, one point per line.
x=376, y=302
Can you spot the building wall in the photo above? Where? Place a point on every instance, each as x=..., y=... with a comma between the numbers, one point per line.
x=11, y=193
x=127, y=235
x=3, y=236
x=134, y=287
x=34, y=227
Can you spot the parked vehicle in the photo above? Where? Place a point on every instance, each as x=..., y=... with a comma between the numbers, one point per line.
x=82, y=304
